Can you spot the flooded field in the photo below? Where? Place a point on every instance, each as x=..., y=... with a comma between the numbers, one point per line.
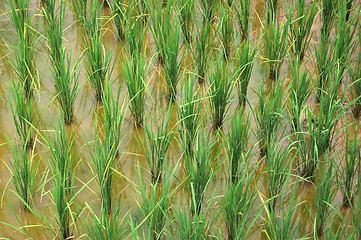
x=197, y=152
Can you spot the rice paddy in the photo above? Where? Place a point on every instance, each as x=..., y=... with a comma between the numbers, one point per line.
x=184, y=119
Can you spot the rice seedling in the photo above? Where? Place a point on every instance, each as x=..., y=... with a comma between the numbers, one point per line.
x=185, y=18
x=271, y=7
x=24, y=114
x=328, y=16
x=79, y=8
x=135, y=74
x=172, y=60
x=243, y=17
x=62, y=182
x=268, y=116
x=279, y=224
x=221, y=84
x=118, y=9
x=275, y=45
x=24, y=52
x=65, y=78
x=325, y=192
x=156, y=204
x=244, y=62
x=238, y=136
x=350, y=170
x=239, y=198
x=279, y=165
x=201, y=50
x=226, y=33
x=23, y=172
x=99, y=60
x=355, y=77
x=300, y=91
x=189, y=114
x=300, y=27
x=199, y=169
x=156, y=143
x=106, y=226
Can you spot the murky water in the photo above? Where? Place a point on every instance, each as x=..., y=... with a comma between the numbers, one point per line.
x=86, y=110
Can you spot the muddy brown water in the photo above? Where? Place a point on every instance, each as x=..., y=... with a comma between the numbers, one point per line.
x=86, y=111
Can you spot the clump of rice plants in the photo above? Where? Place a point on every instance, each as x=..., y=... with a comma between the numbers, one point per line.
x=24, y=114
x=268, y=115
x=24, y=52
x=24, y=173
x=79, y=8
x=244, y=62
x=172, y=60
x=118, y=9
x=156, y=204
x=64, y=76
x=325, y=192
x=185, y=18
x=189, y=114
x=98, y=59
x=351, y=168
x=300, y=28
x=300, y=91
x=275, y=45
x=279, y=165
x=279, y=224
x=106, y=226
x=238, y=136
x=239, y=197
x=271, y=7
x=328, y=16
x=156, y=144
x=199, y=169
x=201, y=50
x=208, y=9
x=226, y=33
x=243, y=17
x=220, y=91
x=62, y=182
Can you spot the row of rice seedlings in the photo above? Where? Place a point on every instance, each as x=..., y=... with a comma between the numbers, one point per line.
x=226, y=33
x=201, y=49
x=279, y=165
x=23, y=172
x=189, y=113
x=238, y=136
x=351, y=168
x=24, y=114
x=156, y=204
x=239, y=198
x=24, y=51
x=275, y=45
x=79, y=9
x=199, y=169
x=268, y=116
x=185, y=18
x=62, y=182
x=355, y=77
x=98, y=59
x=242, y=12
x=278, y=222
x=172, y=59
x=325, y=192
x=244, y=63
x=156, y=143
x=65, y=78
x=221, y=85
x=300, y=27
